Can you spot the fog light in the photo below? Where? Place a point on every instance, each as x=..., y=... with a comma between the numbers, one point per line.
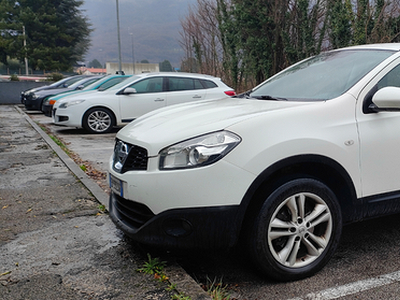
x=177, y=227
x=62, y=118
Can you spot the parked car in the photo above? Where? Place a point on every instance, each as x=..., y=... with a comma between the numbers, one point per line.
x=100, y=85
x=284, y=166
x=55, y=85
x=35, y=99
x=99, y=112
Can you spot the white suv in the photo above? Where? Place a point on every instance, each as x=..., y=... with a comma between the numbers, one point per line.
x=284, y=166
x=100, y=111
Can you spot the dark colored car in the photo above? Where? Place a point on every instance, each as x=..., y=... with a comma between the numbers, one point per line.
x=65, y=82
x=34, y=100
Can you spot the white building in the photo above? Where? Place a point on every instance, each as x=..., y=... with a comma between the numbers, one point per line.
x=127, y=68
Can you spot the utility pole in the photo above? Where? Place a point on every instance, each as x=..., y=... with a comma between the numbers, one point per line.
x=133, y=57
x=26, y=58
x=119, y=44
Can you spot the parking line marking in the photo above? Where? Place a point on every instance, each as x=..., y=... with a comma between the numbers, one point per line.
x=352, y=288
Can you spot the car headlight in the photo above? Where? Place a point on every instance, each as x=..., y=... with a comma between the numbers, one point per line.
x=70, y=103
x=198, y=152
x=34, y=96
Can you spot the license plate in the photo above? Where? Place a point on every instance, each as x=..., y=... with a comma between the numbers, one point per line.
x=116, y=186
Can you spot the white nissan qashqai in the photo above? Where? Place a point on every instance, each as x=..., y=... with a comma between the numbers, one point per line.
x=283, y=166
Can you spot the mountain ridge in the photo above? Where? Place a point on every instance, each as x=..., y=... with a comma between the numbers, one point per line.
x=151, y=26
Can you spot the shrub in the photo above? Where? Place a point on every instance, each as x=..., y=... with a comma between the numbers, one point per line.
x=55, y=77
x=14, y=77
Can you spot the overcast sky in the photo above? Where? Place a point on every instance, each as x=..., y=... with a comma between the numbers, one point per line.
x=150, y=26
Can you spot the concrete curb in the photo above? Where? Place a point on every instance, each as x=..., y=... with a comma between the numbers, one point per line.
x=93, y=187
x=184, y=283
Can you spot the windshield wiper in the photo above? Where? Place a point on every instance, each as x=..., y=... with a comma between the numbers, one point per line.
x=243, y=95
x=268, y=97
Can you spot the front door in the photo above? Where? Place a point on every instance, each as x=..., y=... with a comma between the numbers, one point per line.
x=149, y=96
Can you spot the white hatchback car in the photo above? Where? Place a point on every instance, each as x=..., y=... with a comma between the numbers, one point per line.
x=284, y=166
x=100, y=111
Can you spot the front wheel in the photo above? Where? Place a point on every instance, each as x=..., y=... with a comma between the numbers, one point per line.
x=98, y=120
x=296, y=231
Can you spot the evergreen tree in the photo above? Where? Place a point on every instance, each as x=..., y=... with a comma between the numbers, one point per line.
x=340, y=18
x=165, y=66
x=229, y=41
x=57, y=33
x=95, y=64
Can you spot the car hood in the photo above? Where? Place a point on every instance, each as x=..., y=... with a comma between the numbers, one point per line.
x=39, y=88
x=173, y=124
x=48, y=92
x=71, y=94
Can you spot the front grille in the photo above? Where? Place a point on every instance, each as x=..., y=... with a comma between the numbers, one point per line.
x=129, y=157
x=137, y=159
x=133, y=213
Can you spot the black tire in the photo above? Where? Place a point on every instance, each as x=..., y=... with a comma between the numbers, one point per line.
x=98, y=120
x=296, y=231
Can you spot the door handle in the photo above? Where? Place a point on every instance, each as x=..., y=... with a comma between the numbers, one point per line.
x=196, y=96
x=159, y=100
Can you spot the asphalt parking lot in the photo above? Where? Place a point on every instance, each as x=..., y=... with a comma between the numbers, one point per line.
x=56, y=242
x=365, y=266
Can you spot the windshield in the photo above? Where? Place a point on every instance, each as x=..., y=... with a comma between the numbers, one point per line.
x=66, y=81
x=106, y=82
x=124, y=83
x=322, y=77
x=85, y=82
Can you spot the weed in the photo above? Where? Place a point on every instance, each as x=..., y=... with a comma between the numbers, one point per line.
x=171, y=287
x=180, y=296
x=217, y=291
x=83, y=168
x=153, y=266
x=60, y=144
x=101, y=207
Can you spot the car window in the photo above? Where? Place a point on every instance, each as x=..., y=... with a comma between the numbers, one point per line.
x=85, y=84
x=150, y=85
x=70, y=81
x=110, y=83
x=183, y=84
x=208, y=84
x=390, y=79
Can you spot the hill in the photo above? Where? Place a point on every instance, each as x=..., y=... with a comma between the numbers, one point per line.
x=152, y=25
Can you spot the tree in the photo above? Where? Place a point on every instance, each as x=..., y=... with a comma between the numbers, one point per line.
x=57, y=33
x=340, y=17
x=246, y=41
x=189, y=65
x=165, y=66
x=144, y=61
x=95, y=64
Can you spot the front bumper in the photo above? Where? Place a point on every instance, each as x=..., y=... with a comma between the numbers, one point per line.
x=65, y=117
x=32, y=104
x=47, y=109
x=185, y=228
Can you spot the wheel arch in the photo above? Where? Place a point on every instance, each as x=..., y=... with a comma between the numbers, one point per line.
x=321, y=168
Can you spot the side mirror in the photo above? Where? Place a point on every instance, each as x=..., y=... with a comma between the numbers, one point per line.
x=386, y=99
x=80, y=87
x=129, y=91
